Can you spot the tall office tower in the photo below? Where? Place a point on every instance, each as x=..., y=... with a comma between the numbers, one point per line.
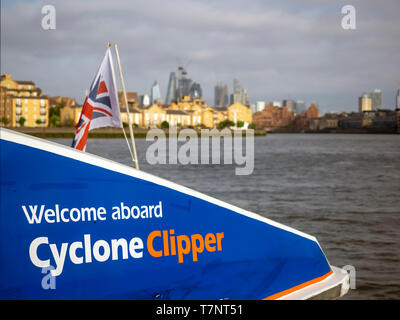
x=376, y=97
x=239, y=94
x=398, y=100
x=277, y=104
x=155, y=95
x=364, y=103
x=221, y=95
x=299, y=106
x=171, y=88
x=144, y=100
x=184, y=84
x=246, y=98
x=237, y=88
x=289, y=104
x=195, y=91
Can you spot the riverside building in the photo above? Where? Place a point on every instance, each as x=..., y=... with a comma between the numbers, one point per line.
x=22, y=103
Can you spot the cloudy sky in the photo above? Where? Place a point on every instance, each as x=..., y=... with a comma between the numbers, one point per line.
x=293, y=49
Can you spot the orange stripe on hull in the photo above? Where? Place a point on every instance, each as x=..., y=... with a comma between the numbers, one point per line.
x=298, y=287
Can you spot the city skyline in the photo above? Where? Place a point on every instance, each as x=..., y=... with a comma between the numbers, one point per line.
x=278, y=52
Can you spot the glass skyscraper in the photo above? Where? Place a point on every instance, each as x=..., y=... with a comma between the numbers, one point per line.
x=155, y=95
x=239, y=94
x=171, y=91
x=221, y=95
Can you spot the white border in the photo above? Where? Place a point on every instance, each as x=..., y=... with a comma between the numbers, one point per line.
x=30, y=141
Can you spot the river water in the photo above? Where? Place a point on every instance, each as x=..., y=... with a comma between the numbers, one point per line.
x=342, y=189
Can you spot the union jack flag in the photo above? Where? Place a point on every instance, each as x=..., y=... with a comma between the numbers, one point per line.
x=101, y=108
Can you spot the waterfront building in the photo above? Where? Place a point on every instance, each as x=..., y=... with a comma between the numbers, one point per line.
x=312, y=112
x=328, y=121
x=6, y=108
x=70, y=115
x=273, y=117
x=132, y=99
x=239, y=112
x=208, y=118
x=22, y=100
x=178, y=118
x=364, y=103
x=135, y=115
x=385, y=119
x=152, y=115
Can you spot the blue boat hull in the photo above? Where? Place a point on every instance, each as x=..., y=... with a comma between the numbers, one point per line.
x=186, y=246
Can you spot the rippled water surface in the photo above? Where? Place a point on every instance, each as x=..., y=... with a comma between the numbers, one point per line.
x=343, y=189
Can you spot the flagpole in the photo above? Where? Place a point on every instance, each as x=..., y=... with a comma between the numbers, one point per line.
x=127, y=108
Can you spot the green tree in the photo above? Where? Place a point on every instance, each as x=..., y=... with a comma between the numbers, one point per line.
x=21, y=121
x=4, y=121
x=225, y=124
x=54, y=120
x=38, y=121
x=240, y=124
x=164, y=125
x=55, y=110
x=252, y=126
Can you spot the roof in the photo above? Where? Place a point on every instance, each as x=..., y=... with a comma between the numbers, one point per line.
x=24, y=82
x=130, y=110
x=220, y=108
x=177, y=112
x=26, y=90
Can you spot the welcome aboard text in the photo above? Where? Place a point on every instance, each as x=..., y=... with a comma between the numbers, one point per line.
x=159, y=243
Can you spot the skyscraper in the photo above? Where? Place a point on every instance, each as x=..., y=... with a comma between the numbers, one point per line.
x=365, y=103
x=221, y=95
x=398, y=100
x=260, y=105
x=195, y=90
x=299, y=106
x=171, y=91
x=376, y=97
x=144, y=100
x=186, y=86
x=289, y=104
x=239, y=94
x=155, y=95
